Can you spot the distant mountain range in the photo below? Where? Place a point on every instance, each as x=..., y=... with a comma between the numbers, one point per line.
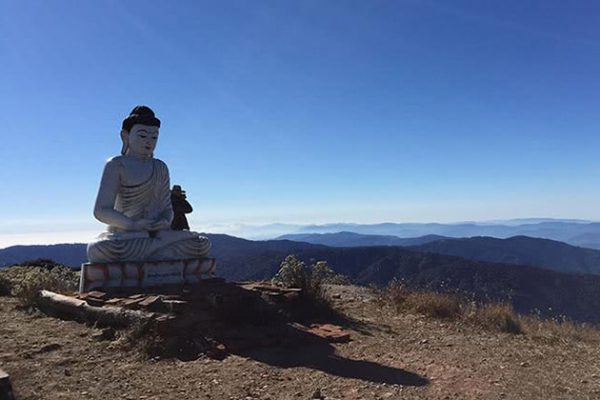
x=528, y=288
x=224, y=247
x=574, y=232
x=247, y=255
x=518, y=250
x=353, y=239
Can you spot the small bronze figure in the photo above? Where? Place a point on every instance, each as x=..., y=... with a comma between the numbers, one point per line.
x=180, y=208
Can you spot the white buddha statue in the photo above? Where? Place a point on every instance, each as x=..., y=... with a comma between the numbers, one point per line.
x=134, y=200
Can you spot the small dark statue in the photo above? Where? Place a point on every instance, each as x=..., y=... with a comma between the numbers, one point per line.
x=180, y=208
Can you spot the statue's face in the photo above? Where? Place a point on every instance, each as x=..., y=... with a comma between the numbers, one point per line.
x=142, y=140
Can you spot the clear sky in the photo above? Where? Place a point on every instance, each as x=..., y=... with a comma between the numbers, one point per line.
x=304, y=111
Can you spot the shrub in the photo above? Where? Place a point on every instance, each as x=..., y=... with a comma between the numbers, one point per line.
x=25, y=283
x=322, y=273
x=396, y=293
x=497, y=317
x=437, y=305
x=292, y=274
x=431, y=304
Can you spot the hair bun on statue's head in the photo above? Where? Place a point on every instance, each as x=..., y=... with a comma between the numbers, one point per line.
x=140, y=115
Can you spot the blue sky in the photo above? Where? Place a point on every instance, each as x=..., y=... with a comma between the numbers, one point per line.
x=304, y=111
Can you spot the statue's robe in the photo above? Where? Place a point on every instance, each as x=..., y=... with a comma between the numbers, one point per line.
x=151, y=200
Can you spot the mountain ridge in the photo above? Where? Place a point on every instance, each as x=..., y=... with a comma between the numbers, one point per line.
x=528, y=288
x=516, y=250
x=520, y=250
x=353, y=239
x=574, y=232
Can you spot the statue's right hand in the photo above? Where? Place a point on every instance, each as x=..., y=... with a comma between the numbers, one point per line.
x=142, y=224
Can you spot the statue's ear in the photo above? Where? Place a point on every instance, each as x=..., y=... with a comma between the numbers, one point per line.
x=125, y=140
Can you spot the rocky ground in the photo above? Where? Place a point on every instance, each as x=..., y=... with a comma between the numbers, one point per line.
x=391, y=356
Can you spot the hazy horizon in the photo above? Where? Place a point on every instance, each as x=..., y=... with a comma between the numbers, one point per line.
x=243, y=230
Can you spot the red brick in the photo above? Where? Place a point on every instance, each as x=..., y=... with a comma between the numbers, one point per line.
x=329, y=332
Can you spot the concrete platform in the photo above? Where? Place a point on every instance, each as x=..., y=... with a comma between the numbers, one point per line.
x=146, y=274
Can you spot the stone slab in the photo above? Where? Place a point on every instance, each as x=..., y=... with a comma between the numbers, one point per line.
x=92, y=301
x=176, y=306
x=150, y=301
x=143, y=275
x=132, y=303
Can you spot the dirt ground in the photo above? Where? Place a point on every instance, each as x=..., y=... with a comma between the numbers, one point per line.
x=391, y=356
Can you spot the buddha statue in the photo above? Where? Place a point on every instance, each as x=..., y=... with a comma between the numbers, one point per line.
x=134, y=200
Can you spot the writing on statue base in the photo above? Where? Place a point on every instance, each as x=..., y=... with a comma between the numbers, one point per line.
x=165, y=273
x=146, y=274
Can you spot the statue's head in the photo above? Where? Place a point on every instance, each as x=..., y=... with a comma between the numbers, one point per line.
x=139, y=132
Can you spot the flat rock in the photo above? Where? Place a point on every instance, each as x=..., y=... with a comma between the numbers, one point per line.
x=114, y=301
x=175, y=306
x=97, y=294
x=92, y=301
x=132, y=303
x=150, y=301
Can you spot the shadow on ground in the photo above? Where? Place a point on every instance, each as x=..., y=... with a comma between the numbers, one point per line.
x=322, y=357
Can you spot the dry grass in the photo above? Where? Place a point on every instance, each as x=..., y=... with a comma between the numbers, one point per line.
x=494, y=317
x=560, y=331
x=26, y=282
x=498, y=317
x=436, y=305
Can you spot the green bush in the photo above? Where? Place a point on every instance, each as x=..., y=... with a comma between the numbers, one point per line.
x=292, y=274
x=321, y=272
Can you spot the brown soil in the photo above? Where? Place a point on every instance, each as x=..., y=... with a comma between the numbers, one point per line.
x=391, y=356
